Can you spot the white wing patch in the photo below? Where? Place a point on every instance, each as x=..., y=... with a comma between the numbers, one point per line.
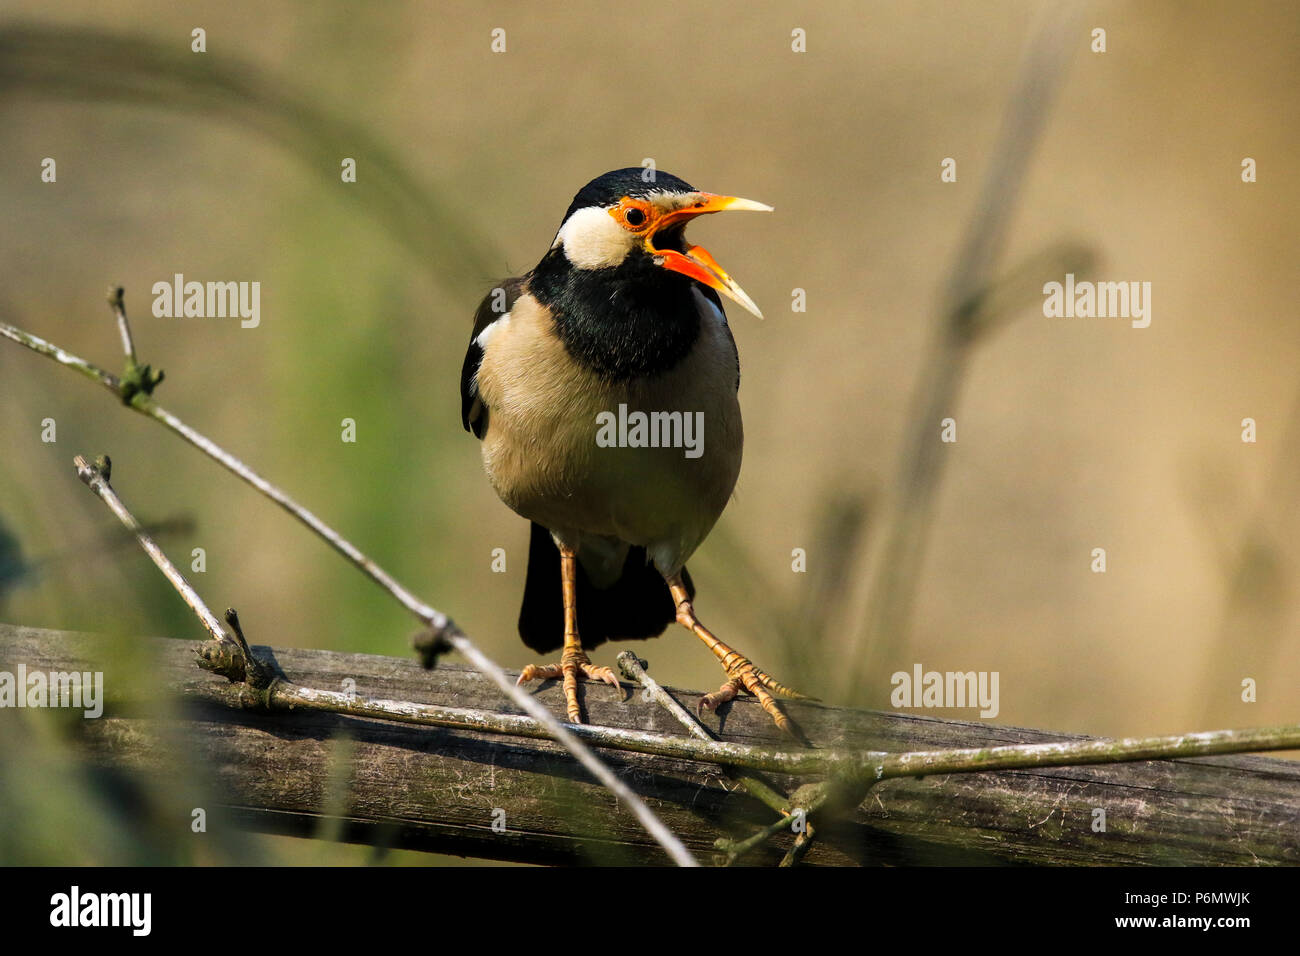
x=492, y=327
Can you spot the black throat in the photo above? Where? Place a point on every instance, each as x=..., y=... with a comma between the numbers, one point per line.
x=634, y=320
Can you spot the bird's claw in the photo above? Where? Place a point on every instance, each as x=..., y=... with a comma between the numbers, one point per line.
x=569, y=667
x=763, y=686
x=727, y=692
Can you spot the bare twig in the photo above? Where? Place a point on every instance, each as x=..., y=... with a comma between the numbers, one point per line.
x=143, y=402
x=1074, y=753
x=137, y=379
x=257, y=674
x=289, y=696
x=857, y=768
x=756, y=787
x=849, y=781
x=52, y=351
x=115, y=301
x=735, y=849
x=565, y=734
x=96, y=478
x=800, y=846
x=851, y=776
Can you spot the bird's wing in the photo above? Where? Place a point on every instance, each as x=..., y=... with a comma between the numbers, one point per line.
x=712, y=298
x=496, y=305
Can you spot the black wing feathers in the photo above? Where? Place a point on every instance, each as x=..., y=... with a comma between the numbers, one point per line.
x=716, y=299
x=472, y=413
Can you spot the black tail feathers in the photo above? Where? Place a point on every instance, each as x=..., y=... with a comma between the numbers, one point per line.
x=637, y=605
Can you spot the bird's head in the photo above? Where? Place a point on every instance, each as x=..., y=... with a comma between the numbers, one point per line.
x=625, y=218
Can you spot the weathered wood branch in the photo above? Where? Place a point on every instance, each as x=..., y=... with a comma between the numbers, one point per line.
x=437, y=789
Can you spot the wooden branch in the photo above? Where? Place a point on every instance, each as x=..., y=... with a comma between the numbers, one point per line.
x=436, y=789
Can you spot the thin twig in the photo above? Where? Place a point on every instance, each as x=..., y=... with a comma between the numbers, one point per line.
x=756, y=787
x=96, y=477
x=431, y=618
x=65, y=358
x=257, y=673
x=850, y=781
x=856, y=767
x=851, y=778
x=118, y=305
x=735, y=849
x=1074, y=753
x=565, y=734
x=802, y=843
x=290, y=696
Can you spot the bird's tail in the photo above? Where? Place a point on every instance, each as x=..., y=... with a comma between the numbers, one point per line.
x=613, y=604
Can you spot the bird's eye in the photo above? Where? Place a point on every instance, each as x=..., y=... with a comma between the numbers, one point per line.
x=634, y=217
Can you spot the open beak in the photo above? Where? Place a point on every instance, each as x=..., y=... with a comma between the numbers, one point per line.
x=696, y=261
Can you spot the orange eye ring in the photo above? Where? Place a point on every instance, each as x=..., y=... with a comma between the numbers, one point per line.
x=634, y=215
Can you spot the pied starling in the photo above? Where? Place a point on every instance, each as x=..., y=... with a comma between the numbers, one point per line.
x=603, y=387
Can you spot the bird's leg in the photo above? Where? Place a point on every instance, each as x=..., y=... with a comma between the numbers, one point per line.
x=741, y=672
x=574, y=658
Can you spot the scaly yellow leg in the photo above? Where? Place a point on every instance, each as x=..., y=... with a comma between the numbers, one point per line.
x=574, y=658
x=741, y=672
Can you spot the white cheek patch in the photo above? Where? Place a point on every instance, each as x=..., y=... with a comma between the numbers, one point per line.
x=593, y=239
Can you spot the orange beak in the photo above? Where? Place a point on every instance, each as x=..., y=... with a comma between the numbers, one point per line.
x=696, y=262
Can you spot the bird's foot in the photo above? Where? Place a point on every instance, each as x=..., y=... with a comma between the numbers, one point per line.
x=571, y=664
x=741, y=672
x=744, y=676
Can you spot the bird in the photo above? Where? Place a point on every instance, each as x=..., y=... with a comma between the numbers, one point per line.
x=603, y=387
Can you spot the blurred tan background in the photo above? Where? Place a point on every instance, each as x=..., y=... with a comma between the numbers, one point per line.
x=1072, y=433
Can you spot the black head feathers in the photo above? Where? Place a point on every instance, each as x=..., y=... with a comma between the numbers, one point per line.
x=608, y=189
